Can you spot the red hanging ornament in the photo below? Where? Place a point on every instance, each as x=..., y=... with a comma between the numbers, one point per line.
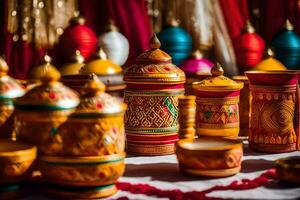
x=78, y=36
x=249, y=47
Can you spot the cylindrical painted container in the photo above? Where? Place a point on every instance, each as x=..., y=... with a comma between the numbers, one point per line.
x=274, y=120
x=9, y=89
x=43, y=109
x=153, y=87
x=217, y=112
x=244, y=105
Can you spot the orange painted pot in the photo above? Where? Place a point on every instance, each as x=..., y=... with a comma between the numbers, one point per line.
x=274, y=120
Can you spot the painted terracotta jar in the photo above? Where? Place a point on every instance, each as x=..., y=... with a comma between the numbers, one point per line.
x=108, y=72
x=217, y=112
x=209, y=156
x=153, y=87
x=9, y=89
x=244, y=105
x=96, y=128
x=43, y=109
x=274, y=120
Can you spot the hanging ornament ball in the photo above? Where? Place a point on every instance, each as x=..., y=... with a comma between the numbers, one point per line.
x=114, y=44
x=286, y=45
x=196, y=64
x=175, y=41
x=78, y=36
x=249, y=47
x=269, y=63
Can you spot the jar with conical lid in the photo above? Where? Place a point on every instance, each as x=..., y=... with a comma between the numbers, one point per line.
x=153, y=87
x=9, y=90
x=74, y=65
x=269, y=63
x=43, y=109
x=96, y=128
x=108, y=72
x=217, y=112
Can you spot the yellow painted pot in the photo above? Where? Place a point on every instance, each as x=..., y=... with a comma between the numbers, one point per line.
x=74, y=66
x=82, y=171
x=96, y=127
x=209, y=156
x=217, y=112
x=43, y=109
x=9, y=89
x=16, y=161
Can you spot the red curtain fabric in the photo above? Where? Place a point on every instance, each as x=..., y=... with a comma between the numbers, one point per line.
x=235, y=14
x=129, y=16
x=274, y=15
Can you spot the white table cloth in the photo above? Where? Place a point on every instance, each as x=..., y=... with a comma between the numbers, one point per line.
x=162, y=172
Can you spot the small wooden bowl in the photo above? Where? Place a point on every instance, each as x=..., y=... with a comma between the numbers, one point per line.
x=209, y=156
x=288, y=169
x=16, y=161
x=82, y=171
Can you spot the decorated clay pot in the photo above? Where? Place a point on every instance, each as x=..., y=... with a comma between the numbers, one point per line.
x=114, y=44
x=269, y=63
x=209, y=156
x=288, y=169
x=107, y=71
x=96, y=128
x=196, y=68
x=274, y=122
x=217, y=112
x=16, y=161
x=9, y=89
x=153, y=87
x=244, y=105
x=175, y=41
x=74, y=65
x=43, y=109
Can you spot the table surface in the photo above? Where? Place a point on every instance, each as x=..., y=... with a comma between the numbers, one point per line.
x=162, y=172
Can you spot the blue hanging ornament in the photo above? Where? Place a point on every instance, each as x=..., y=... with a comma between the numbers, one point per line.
x=286, y=45
x=175, y=41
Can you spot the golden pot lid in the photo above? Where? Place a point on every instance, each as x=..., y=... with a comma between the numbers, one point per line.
x=217, y=82
x=75, y=64
x=100, y=66
x=154, y=66
x=269, y=63
x=9, y=87
x=95, y=102
x=49, y=95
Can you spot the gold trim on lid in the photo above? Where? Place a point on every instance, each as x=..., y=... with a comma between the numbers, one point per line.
x=154, y=42
x=77, y=57
x=197, y=54
x=3, y=67
x=94, y=85
x=217, y=70
x=50, y=73
x=248, y=27
x=111, y=26
x=172, y=21
x=288, y=25
x=101, y=54
x=270, y=53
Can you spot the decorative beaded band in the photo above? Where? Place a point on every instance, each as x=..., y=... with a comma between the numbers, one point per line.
x=227, y=125
x=226, y=100
x=150, y=149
